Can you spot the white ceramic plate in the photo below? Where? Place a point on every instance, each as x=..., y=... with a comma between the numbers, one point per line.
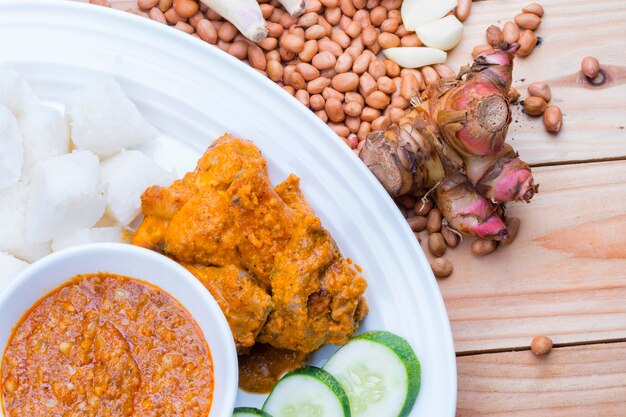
x=193, y=93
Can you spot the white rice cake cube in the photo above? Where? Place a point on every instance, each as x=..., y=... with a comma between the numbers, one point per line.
x=11, y=149
x=15, y=92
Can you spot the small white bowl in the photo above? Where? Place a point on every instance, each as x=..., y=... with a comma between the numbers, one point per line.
x=54, y=270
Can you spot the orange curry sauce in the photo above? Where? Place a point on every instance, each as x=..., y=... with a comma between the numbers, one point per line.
x=105, y=345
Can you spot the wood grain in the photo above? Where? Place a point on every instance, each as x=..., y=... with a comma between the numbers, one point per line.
x=578, y=381
x=594, y=119
x=565, y=274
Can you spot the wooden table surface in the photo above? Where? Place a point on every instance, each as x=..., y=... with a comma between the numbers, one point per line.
x=565, y=275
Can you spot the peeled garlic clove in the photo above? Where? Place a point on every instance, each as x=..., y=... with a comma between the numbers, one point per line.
x=444, y=34
x=415, y=57
x=418, y=12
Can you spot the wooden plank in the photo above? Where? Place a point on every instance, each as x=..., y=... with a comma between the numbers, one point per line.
x=565, y=274
x=578, y=381
x=594, y=118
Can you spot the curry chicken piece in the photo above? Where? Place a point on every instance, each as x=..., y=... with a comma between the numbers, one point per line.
x=261, y=251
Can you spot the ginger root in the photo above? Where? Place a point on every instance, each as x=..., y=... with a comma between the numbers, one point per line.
x=454, y=142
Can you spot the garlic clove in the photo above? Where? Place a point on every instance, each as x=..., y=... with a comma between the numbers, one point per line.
x=415, y=57
x=444, y=33
x=417, y=12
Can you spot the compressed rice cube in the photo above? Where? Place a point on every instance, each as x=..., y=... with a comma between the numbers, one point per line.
x=11, y=149
x=65, y=195
x=10, y=267
x=15, y=92
x=125, y=177
x=94, y=235
x=45, y=133
x=105, y=121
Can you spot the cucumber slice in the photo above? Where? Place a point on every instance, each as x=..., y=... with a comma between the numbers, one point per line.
x=308, y=392
x=380, y=373
x=249, y=412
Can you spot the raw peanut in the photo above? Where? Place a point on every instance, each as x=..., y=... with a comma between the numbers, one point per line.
x=479, y=49
x=330, y=3
x=347, y=81
x=303, y=97
x=193, y=20
x=211, y=14
x=297, y=81
x=381, y=123
x=395, y=114
x=377, y=69
x=417, y=223
x=292, y=43
x=292, y=91
x=227, y=32
x=540, y=89
x=187, y=28
x=391, y=68
x=388, y=40
x=451, y=238
x=324, y=60
x=341, y=38
x=308, y=71
x=463, y=9
x=353, y=123
x=534, y=8
x=286, y=55
x=318, y=85
x=482, y=247
x=287, y=20
x=442, y=268
x=328, y=73
x=356, y=97
x=344, y=63
x=378, y=15
x=364, y=130
x=344, y=22
x=367, y=84
x=535, y=106
x=359, y=4
x=375, y=48
x=355, y=51
x=434, y=221
x=317, y=102
x=553, y=119
x=494, y=36
x=274, y=30
x=327, y=45
x=353, y=108
x=389, y=26
x=266, y=10
x=527, y=42
x=314, y=6
x=276, y=15
x=361, y=63
x=309, y=51
x=327, y=26
x=513, y=224
x=436, y=244
x=510, y=32
x=341, y=130
x=223, y=45
x=410, y=40
x=400, y=102
x=288, y=70
x=274, y=71
x=590, y=66
x=409, y=87
x=315, y=32
x=353, y=29
x=372, y=4
x=369, y=35
x=513, y=95
x=386, y=85
x=444, y=71
x=391, y=4
x=186, y=8
x=164, y=5
x=430, y=75
x=330, y=92
x=402, y=31
x=363, y=17
x=268, y=44
x=333, y=15
x=147, y=4
x=528, y=21
x=334, y=110
x=541, y=345
x=347, y=7
x=307, y=20
x=106, y=3
x=257, y=58
x=422, y=208
x=157, y=15
x=357, y=43
x=369, y=114
x=172, y=18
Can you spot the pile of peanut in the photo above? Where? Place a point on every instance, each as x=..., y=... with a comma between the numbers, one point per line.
x=328, y=58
